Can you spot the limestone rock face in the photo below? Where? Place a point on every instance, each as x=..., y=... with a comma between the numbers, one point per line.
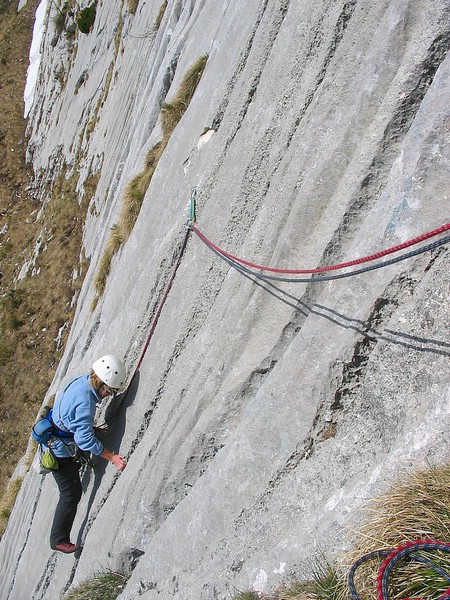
x=264, y=414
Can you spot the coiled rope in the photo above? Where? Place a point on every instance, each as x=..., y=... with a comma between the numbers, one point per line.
x=393, y=556
x=243, y=265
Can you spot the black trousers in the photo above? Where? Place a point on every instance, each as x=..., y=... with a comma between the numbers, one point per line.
x=67, y=478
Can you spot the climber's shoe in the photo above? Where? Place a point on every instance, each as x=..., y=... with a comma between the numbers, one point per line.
x=67, y=547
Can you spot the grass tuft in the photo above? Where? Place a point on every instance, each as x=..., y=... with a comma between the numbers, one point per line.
x=132, y=6
x=103, y=586
x=417, y=506
x=327, y=582
x=86, y=18
x=160, y=16
x=171, y=112
x=103, y=270
x=8, y=500
x=135, y=192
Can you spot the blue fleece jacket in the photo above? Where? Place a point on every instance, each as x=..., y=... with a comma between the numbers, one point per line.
x=74, y=411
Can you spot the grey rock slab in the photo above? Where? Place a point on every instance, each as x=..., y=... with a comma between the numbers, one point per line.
x=265, y=415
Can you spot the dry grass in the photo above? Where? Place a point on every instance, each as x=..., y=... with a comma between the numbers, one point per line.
x=132, y=6
x=416, y=507
x=160, y=16
x=135, y=191
x=36, y=309
x=15, y=37
x=113, y=244
x=120, y=232
x=8, y=500
x=23, y=370
x=171, y=112
x=102, y=586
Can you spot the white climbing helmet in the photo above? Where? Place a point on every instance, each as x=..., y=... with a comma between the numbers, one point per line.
x=111, y=370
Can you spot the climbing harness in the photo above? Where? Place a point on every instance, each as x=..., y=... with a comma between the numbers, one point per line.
x=395, y=555
x=45, y=429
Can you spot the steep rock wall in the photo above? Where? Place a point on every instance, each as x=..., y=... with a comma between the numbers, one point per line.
x=264, y=415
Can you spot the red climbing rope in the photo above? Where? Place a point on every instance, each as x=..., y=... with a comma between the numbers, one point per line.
x=122, y=396
x=162, y=300
x=407, y=550
x=357, y=261
x=398, y=554
x=192, y=226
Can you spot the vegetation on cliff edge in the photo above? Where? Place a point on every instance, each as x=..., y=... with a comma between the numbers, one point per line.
x=41, y=262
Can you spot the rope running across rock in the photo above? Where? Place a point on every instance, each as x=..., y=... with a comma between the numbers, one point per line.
x=420, y=238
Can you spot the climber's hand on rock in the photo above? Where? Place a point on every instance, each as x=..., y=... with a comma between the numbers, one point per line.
x=119, y=461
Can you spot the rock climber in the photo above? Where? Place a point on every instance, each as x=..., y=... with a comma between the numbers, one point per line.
x=74, y=412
